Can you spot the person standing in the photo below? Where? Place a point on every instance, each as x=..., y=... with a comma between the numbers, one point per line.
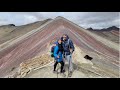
x=68, y=49
x=58, y=51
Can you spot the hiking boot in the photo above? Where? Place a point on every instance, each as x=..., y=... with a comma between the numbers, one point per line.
x=70, y=74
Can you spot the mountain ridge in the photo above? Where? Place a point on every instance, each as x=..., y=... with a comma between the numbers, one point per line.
x=105, y=29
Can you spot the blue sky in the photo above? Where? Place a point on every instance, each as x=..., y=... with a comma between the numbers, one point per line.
x=84, y=19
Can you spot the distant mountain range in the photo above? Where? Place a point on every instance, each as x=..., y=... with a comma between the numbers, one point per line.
x=105, y=29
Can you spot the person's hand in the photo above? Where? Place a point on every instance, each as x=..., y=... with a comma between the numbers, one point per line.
x=71, y=50
x=58, y=57
x=63, y=39
x=63, y=56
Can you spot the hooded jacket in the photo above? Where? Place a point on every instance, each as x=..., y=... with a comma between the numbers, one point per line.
x=67, y=45
x=58, y=51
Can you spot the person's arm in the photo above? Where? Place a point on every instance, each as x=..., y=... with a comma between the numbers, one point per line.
x=63, y=46
x=55, y=52
x=72, y=45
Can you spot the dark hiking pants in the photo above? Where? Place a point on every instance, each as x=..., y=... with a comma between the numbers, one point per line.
x=62, y=65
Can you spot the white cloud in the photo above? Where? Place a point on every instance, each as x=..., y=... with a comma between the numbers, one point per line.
x=29, y=18
x=84, y=19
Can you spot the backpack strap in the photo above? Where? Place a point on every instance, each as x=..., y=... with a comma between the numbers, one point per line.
x=68, y=43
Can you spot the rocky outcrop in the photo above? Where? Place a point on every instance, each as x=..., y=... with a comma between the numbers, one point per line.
x=90, y=28
x=112, y=28
x=32, y=64
x=11, y=24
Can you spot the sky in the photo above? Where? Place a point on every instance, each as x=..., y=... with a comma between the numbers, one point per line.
x=96, y=20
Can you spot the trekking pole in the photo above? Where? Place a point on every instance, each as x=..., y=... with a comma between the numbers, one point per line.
x=68, y=66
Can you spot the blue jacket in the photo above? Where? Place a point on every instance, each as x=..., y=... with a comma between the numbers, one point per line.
x=67, y=45
x=56, y=53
